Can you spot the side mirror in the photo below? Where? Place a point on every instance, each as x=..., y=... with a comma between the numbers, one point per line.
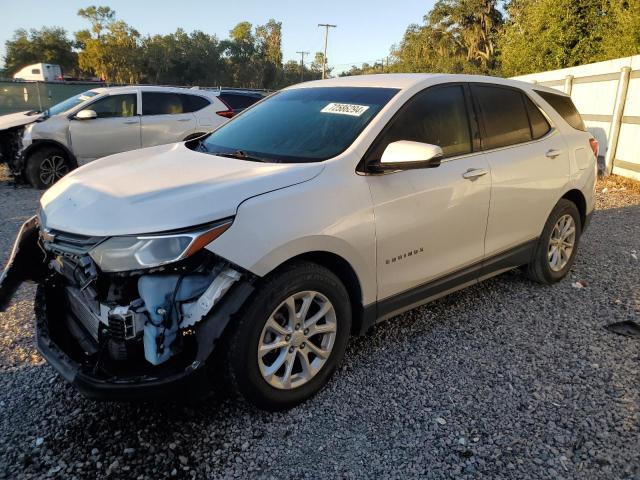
x=407, y=155
x=86, y=115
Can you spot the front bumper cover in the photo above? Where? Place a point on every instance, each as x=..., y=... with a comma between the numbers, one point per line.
x=27, y=263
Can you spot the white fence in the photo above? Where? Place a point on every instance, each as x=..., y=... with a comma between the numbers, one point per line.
x=607, y=95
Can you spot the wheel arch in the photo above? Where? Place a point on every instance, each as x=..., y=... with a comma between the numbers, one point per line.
x=40, y=144
x=347, y=275
x=578, y=199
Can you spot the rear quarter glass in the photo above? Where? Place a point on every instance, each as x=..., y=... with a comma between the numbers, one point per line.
x=565, y=108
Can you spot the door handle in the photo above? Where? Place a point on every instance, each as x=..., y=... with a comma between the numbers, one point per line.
x=184, y=119
x=474, y=173
x=130, y=122
x=553, y=153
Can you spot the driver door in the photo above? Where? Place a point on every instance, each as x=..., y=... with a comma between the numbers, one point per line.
x=430, y=223
x=116, y=128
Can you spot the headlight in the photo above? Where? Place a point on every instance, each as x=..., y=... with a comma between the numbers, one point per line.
x=120, y=254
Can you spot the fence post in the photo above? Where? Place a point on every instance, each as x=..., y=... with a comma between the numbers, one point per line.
x=616, y=121
x=568, y=84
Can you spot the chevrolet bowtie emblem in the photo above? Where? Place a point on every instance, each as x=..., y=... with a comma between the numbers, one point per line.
x=47, y=236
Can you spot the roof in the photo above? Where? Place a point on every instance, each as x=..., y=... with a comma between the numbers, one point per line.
x=156, y=88
x=407, y=80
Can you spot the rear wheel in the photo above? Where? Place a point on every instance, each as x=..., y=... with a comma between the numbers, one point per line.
x=46, y=166
x=558, y=244
x=290, y=338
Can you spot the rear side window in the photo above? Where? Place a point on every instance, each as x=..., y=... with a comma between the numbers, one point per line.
x=193, y=103
x=157, y=103
x=539, y=125
x=238, y=102
x=565, y=107
x=504, y=116
x=437, y=116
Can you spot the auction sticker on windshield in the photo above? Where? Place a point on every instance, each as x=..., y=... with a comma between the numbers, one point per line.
x=345, y=109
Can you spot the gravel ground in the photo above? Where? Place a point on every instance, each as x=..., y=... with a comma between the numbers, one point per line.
x=508, y=379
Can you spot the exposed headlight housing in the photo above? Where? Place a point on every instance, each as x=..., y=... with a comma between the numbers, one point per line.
x=121, y=254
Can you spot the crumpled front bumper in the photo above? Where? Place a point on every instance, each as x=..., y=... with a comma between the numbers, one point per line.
x=57, y=346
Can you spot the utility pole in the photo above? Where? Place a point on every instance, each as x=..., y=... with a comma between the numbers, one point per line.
x=302, y=54
x=327, y=26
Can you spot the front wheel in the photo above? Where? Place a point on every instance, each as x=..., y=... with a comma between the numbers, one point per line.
x=290, y=338
x=46, y=166
x=558, y=244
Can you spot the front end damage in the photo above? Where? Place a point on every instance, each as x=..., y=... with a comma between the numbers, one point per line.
x=11, y=151
x=125, y=335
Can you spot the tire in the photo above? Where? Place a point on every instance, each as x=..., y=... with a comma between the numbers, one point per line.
x=244, y=366
x=541, y=268
x=46, y=166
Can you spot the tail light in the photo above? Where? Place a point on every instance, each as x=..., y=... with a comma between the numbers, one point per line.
x=595, y=146
x=226, y=113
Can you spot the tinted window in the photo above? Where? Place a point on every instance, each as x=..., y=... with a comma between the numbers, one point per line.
x=301, y=125
x=565, y=107
x=35, y=71
x=504, y=115
x=115, y=106
x=156, y=103
x=539, y=125
x=238, y=102
x=437, y=116
x=193, y=103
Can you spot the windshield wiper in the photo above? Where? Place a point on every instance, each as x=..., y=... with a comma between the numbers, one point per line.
x=242, y=155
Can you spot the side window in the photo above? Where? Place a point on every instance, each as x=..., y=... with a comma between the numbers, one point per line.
x=35, y=71
x=238, y=102
x=504, y=116
x=539, y=125
x=437, y=116
x=193, y=103
x=158, y=103
x=116, y=106
x=565, y=107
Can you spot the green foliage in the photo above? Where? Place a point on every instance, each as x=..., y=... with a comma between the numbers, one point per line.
x=549, y=34
x=47, y=45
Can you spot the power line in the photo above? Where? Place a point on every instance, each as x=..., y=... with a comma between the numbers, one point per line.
x=302, y=54
x=327, y=26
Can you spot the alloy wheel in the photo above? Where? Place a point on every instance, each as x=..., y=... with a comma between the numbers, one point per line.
x=561, y=243
x=53, y=168
x=297, y=340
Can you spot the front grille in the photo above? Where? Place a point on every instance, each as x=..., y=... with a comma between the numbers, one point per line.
x=72, y=243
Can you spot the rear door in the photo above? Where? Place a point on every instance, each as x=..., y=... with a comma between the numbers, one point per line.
x=529, y=165
x=166, y=118
x=116, y=128
x=430, y=222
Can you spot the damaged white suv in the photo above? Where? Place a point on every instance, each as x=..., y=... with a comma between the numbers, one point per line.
x=253, y=254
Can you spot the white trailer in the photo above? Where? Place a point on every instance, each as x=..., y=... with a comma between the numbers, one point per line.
x=44, y=72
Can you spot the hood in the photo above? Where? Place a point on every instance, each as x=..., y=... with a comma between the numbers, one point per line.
x=18, y=119
x=160, y=188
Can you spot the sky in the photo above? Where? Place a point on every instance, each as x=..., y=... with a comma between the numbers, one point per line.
x=366, y=29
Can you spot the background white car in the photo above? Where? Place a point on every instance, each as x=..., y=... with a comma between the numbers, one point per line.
x=104, y=121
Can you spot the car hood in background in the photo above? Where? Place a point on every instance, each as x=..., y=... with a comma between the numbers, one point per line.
x=18, y=119
x=160, y=188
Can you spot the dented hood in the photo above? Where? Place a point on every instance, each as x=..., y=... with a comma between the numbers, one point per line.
x=160, y=188
x=18, y=119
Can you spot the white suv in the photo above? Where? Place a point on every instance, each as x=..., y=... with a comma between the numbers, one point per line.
x=105, y=121
x=332, y=205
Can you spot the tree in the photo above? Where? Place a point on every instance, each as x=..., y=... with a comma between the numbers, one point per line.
x=549, y=34
x=112, y=49
x=47, y=45
x=269, y=50
x=458, y=36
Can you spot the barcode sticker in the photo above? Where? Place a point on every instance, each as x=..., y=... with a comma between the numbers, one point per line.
x=345, y=109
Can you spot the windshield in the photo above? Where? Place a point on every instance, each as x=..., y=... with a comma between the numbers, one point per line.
x=69, y=103
x=300, y=125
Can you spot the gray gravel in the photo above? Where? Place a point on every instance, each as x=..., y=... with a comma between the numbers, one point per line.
x=508, y=379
